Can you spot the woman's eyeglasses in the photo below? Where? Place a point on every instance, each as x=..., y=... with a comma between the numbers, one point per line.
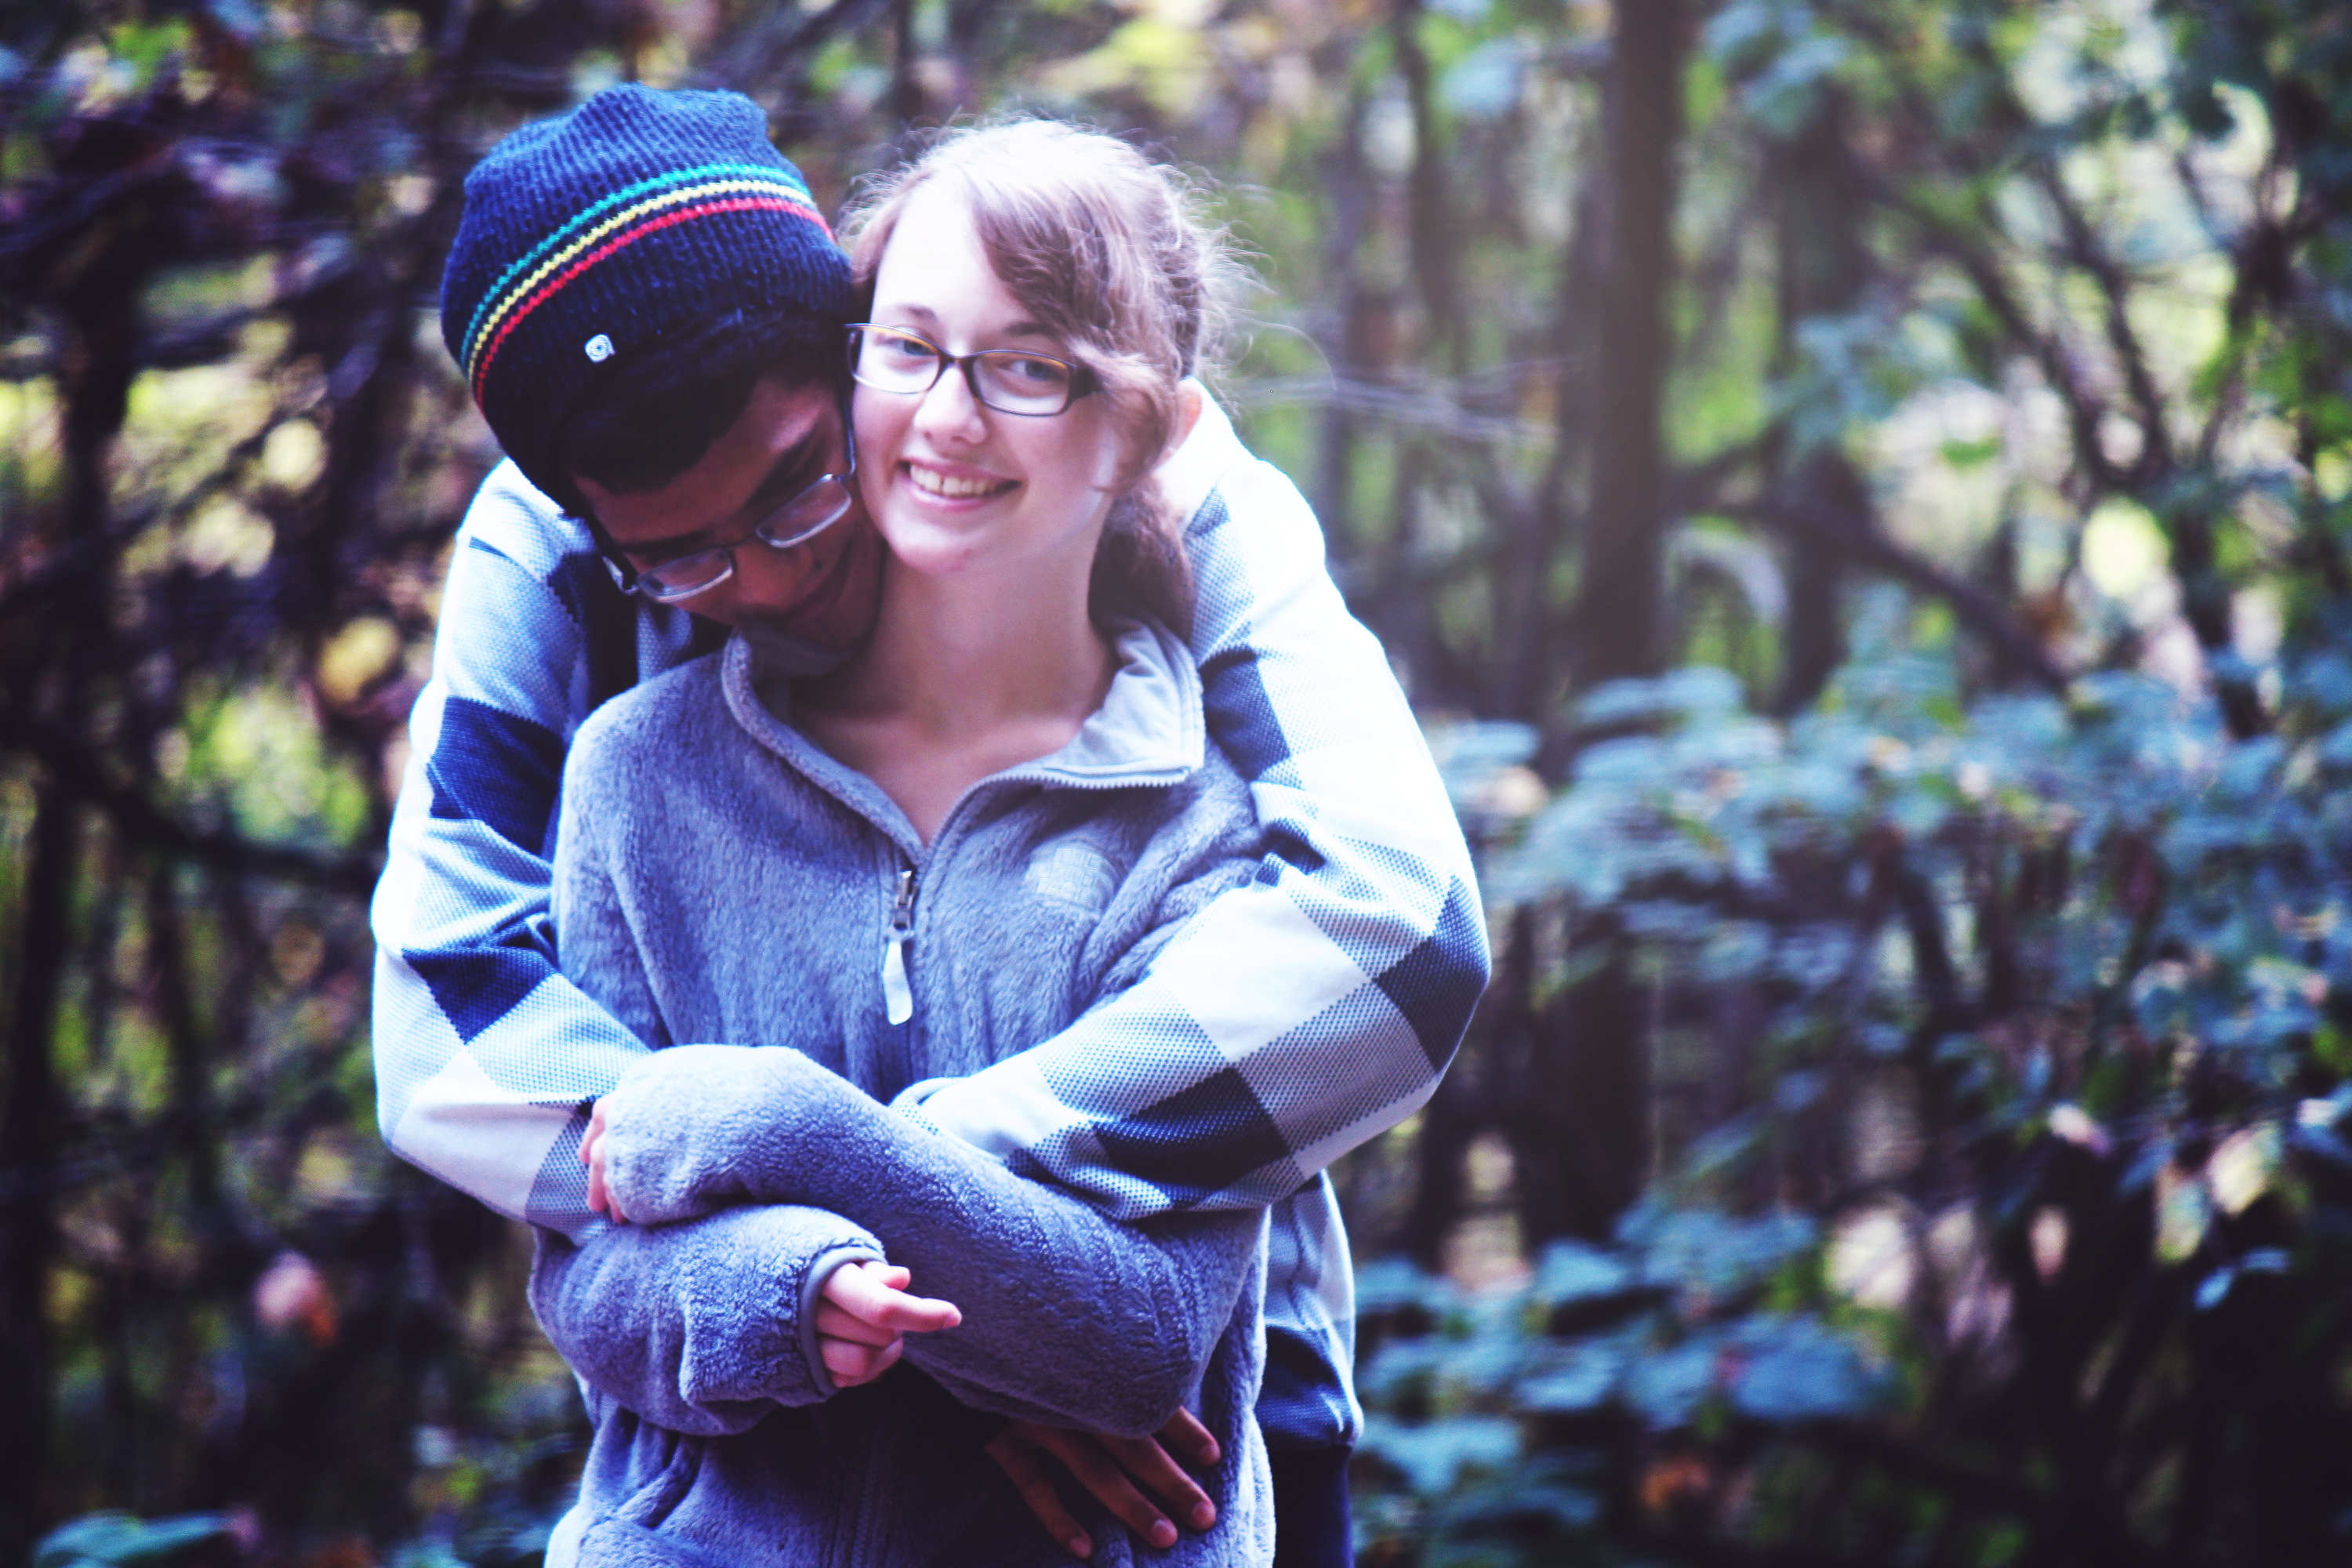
x=1011, y=381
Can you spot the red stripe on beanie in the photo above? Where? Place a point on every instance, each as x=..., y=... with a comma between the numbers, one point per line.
x=556, y=285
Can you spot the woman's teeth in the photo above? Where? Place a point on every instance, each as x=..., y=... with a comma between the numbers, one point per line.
x=953, y=486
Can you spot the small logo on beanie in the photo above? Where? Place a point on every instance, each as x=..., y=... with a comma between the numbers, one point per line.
x=599, y=349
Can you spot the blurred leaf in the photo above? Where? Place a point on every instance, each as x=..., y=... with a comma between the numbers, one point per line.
x=1574, y=1271
x=1798, y=1370
x=123, y=1538
x=1578, y=1378
x=1667, y=1386
x=1432, y=1456
x=2184, y=1211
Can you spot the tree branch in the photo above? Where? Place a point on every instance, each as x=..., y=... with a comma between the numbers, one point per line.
x=1859, y=541
x=145, y=823
x=2081, y=248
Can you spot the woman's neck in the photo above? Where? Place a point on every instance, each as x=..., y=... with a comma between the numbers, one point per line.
x=964, y=676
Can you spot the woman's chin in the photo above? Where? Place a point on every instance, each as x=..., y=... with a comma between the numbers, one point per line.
x=936, y=549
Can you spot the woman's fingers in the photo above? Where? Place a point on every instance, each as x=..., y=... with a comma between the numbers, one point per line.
x=852, y=1364
x=860, y=1290
x=1191, y=1442
x=831, y=1322
x=1016, y=1455
x=1094, y=1469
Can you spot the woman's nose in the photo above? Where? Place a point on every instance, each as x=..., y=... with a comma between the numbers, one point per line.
x=949, y=408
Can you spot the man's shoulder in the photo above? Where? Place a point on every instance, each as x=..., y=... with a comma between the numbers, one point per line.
x=512, y=518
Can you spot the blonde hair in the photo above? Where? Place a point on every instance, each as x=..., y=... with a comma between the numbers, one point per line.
x=1109, y=252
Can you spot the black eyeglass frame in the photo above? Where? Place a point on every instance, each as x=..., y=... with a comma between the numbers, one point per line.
x=1084, y=381
x=629, y=580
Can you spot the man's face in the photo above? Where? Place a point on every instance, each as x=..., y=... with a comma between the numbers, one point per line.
x=786, y=437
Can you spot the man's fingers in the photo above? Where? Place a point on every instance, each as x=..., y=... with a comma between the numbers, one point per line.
x=1191, y=1442
x=1091, y=1467
x=592, y=1154
x=1018, y=1459
x=1161, y=1476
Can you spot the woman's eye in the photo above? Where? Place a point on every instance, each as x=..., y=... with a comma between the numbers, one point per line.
x=912, y=349
x=1040, y=373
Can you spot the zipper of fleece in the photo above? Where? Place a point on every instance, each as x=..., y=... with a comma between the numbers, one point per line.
x=897, y=996
x=906, y=881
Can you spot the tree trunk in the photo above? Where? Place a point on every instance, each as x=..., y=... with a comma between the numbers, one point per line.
x=1823, y=270
x=28, y=1195
x=1591, y=1059
x=1618, y=601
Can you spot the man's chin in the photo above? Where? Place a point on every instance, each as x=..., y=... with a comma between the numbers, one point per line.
x=839, y=611
x=782, y=649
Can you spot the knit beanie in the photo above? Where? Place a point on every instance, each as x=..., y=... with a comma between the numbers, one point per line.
x=589, y=237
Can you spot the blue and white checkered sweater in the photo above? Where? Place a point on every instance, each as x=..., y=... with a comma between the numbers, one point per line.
x=1333, y=988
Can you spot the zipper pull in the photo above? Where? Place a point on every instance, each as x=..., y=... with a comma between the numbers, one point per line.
x=897, y=996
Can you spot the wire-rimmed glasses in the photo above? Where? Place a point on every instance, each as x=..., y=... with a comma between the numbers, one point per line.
x=807, y=513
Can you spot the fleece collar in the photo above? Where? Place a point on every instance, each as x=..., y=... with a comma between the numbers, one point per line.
x=1148, y=730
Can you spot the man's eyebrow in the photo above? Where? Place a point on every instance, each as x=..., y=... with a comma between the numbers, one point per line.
x=794, y=467
x=787, y=473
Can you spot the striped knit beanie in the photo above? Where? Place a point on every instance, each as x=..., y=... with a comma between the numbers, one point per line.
x=589, y=237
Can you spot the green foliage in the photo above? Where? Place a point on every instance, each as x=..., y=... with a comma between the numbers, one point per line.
x=2094, y=960
x=2037, y=310
x=120, y=1540
x=1506, y=1418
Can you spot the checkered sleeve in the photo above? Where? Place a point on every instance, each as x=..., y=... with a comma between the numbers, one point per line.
x=1299, y=1014
x=486, y=1057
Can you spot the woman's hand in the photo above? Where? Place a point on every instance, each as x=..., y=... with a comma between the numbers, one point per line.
x=863, y=1316
x=1104, y=1465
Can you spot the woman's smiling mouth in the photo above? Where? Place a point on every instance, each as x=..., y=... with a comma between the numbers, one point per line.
x=955, y=487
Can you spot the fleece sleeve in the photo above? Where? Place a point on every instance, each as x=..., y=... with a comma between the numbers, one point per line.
x=700, y=1328
x=1337, y=983
x=484, y=1053
x=1044, y=1281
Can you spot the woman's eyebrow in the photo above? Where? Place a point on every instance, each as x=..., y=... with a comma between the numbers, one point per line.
x=1024, y=329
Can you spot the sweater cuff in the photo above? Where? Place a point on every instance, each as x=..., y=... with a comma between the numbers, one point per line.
x=812, y=1288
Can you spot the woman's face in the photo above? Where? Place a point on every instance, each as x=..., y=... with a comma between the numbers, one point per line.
x=959, y=489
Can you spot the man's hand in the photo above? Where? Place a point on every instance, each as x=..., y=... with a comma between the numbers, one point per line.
x=592, y=1154
x=862, y=1316
x=1104, y=1465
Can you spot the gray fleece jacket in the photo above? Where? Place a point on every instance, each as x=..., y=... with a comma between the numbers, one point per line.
x=692, y=818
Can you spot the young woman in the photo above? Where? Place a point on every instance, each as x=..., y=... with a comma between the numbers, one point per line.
x=1002, y=809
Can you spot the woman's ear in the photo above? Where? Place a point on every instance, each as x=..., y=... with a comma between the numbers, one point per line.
x=1191, y=398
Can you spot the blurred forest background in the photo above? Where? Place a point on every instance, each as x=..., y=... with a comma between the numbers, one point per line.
x=1859, y=491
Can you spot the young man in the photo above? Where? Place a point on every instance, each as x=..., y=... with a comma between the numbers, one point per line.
x=623, y=280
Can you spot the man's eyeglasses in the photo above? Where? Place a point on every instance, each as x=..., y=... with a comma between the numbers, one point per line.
x=1011, y=381
x=806, y=514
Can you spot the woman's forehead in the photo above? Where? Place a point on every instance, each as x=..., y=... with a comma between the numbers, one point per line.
x=935, y=270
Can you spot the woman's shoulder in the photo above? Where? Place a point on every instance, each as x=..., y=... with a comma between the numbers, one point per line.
x=675, y=713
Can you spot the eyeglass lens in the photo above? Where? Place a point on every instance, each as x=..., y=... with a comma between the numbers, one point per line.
x=1011, y=381
x=803, y=518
